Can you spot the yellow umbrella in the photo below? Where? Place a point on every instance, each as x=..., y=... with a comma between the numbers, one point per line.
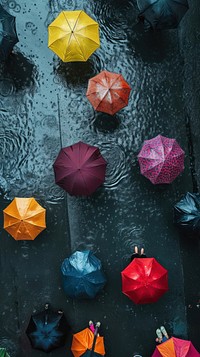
x=73, y=36
x=24, y=218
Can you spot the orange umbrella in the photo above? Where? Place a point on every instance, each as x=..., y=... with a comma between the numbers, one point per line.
x=108, y=92
x=24, y=218
x=83, y=341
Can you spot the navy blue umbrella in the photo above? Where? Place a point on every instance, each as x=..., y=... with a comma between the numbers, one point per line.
x=162, y=14
x=8, y=35
x=47, y=330
x=82, y=275
x=187, y=212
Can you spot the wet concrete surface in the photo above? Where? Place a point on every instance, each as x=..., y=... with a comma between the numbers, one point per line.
x=43, y=107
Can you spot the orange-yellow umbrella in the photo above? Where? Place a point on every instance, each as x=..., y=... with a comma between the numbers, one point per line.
x=24, y=218
x=73, y=36
x=83, y=341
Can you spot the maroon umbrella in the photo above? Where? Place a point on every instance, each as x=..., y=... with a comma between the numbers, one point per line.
x=80, y=169
x=161, y=159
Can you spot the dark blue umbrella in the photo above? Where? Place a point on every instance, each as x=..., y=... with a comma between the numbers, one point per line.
x=47, y=330
x=82, y=275
x=162, y=14
x=8, y=35
x=187, y=212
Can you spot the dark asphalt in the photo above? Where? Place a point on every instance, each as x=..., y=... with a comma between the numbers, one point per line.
x=43, y=107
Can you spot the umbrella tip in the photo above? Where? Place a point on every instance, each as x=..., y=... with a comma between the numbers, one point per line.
x=46, y=306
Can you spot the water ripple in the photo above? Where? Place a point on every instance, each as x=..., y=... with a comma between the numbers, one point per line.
x=117, y=167
x=77, y=73
x=114, y=18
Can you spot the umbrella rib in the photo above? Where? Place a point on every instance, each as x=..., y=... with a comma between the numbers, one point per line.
x=86, y=26
x=69, y=23
x=79, y=34
x=152, y=167
x=111, y=89
x=58, y=39
x=73, y=34
x=13, y=224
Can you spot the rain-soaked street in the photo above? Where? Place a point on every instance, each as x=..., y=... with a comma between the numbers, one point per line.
x=43, y=107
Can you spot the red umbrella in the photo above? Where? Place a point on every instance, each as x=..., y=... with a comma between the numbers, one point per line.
x=79, y=169
x=161, y=159
x=144, y=280
x=108, y=92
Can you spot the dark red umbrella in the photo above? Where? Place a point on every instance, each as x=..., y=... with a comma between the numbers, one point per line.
x=79, y=169
x=161, y=159
x=108, y=92
x=144, y=280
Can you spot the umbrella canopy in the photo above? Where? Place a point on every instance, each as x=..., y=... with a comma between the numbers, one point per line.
x=3, y=353
x=187, y=212
x=90, y=353
x=82, y=343
x=108, y=92
x=24, y=218
x=161, y=159
x=82, y=275
x=175, y=347
x=162, y=14
x=73, y=36
x=8, y=35
x=47, y=330
x=80, y=169
x=144, y=280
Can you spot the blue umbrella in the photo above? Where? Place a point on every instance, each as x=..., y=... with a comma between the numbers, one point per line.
x=8, y=35
x=187, y=212
x=162, y=14
x=47, y=330
x=82, y=275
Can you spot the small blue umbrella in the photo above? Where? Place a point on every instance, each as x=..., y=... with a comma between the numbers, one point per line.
x=82, y=275
x=8, y=34
x=47, y=330
x=187, y=212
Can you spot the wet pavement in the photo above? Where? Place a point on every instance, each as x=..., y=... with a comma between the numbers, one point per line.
x=43, y=107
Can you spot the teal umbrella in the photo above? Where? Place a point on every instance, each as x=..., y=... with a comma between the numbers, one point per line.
x=47, y=330
x=8, y=34
x=187, y=212
x=162, y=14
x=82, y=275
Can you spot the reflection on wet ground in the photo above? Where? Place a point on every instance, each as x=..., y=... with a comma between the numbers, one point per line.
x=43, y=106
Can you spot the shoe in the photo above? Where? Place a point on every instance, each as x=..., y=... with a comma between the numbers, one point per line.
x=164, y=332
x=98, y=324
x=159, y=334
x=136, y=355
x=136, y=249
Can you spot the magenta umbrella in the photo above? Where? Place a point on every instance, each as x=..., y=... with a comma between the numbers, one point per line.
x=79, y=169
x=161, y=159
